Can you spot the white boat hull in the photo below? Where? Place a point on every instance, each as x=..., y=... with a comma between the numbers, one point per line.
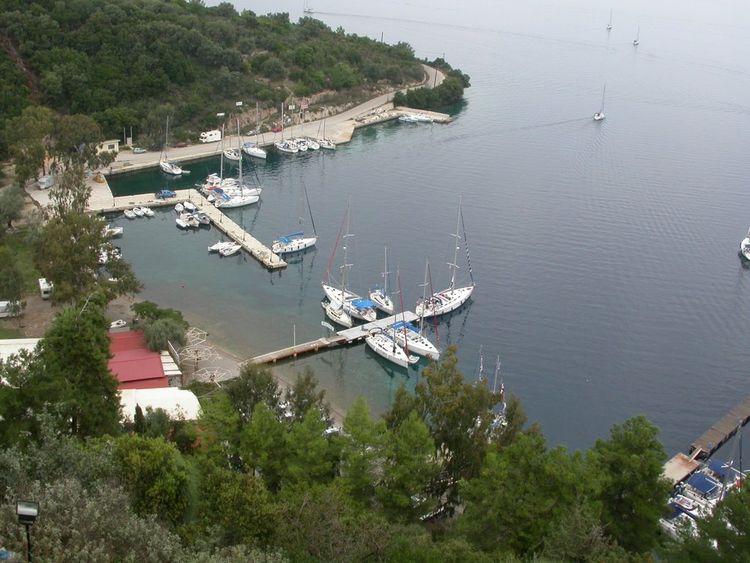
x=295, y=245
x=257, y=152
x=382, y=302
x=237, y=201
x=287, y=147
x=335, y=294
x=338, y=314
x=415, y=342
x=234, y=248
x=170, y=168
x=598, y=116
x=444, y=302
x=386, y=348
x=218, y=246
x=232, y=154
x=745, y=249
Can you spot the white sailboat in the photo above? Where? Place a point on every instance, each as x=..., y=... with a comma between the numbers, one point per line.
x=407, y=335
x=289, y=147
x=379, y=295
x=296, y=242
x=499, y=420
x=230, y=249
x=450, y=299
x=232, y=154
x=240, y=196
x=386, y=347
x=253, y=149
x=609, y=25
x=599, y=115
x=745, y=247
x=637, y=39
x=167, y=166
x=325, y=142
x=335, y=309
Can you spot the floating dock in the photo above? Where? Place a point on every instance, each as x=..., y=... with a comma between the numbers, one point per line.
x=231, y=229
x=683, y=465
x=341, y=338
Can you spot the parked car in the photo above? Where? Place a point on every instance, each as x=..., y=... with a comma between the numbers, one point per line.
x=276, y=129
x=138, y=150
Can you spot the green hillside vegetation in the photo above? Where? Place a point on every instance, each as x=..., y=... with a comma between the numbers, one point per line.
x=131, y=62
x=259, y=478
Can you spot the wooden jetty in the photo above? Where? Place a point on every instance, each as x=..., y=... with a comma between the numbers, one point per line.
x=683, y=465
x=341, y=338
x=231, y=229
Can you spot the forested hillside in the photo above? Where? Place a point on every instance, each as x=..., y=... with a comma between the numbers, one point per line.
x=130, y=62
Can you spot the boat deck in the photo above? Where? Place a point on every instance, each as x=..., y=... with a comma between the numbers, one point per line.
x=341, y=338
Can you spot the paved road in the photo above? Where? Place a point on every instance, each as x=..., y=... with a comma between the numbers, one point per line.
x=339, y=127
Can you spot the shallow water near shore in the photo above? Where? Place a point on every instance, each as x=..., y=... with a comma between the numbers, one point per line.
x=605, y=253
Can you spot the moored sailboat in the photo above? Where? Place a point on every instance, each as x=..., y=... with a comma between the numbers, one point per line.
x=379, y=295
x=745, y=247
x=166, y=165
x=599, y=115
x=386, y=347
x=297, y=241
x=450, y=299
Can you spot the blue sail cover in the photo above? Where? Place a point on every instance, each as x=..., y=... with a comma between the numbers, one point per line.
x=703, y=483
x=286, y=239
x=363, y=303
x=718, y=467
x=401, y=325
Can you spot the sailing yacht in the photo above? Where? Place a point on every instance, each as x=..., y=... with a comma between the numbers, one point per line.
x=609, y=25
x=637, y=39
x=238, y=195
x=407, y=335
x=289, y=147
x=599, y=115
x=745, y=247
x=450, y=299
x=296, y=242
x=253, y=149
x=325, y=142
x=232, y=154
x=352, y=303
x=167, y=166
x=386, y=347
x=379, y=295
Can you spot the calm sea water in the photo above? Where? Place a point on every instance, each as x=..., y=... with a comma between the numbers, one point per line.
x=605, y=253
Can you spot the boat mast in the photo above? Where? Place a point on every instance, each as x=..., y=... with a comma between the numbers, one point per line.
x=604, y=91
x=309, y=209
x=481, y=363
x=345, y=266
x=453, y=266
x=221, y=148
x=239, y=150
x=424, y=297
x=385, y=273
x=403, y=319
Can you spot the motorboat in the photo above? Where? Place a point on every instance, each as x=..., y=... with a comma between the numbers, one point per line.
x=112, y=232
x=217, y=246
x=181, y=223
x=293, y=242
x=147, y=211
x=251, y=149
x=408, y=118
x=189, y=206
x=190, y=219
x=386, y=347
x=301, y=144
x=179, y=208
x=232, y=154
x=129, y=214
x=230, y=250
x=407, y=336
x=422, y=118
x=202, y=217
x=447, y=300
x=745, y=247
x=138, y=211
x=312, y=144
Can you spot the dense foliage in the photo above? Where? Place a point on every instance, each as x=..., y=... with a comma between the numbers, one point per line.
x=263, y=476
x=450, y=91
x=129, y=63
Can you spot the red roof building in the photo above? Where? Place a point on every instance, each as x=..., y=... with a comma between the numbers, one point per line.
x=133, y=364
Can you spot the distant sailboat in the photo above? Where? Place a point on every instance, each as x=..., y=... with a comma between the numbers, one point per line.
x=307, y=9
x=637, y=39
x=609, y=25
x=599, y=115
x=166, y=165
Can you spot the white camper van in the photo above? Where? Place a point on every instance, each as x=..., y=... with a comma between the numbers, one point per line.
x=45, y=288
x=210, y=136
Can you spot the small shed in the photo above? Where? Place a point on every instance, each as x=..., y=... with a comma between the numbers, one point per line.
x=113, y=145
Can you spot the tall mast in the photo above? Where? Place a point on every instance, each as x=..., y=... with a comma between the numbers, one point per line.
x=424, y=297
x=403, y=319
x=309, y=209
x=604, y=91
x=345, y=266
x=385, y=273
x=239, y=149
x=453, y=266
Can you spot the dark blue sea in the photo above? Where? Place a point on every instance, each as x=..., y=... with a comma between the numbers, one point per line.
x=605, y=254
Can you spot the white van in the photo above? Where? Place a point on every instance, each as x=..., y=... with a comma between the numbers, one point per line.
x=45, y=288
x=210, y=136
